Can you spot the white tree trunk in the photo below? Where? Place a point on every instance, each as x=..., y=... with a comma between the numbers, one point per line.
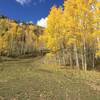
x=76, y=56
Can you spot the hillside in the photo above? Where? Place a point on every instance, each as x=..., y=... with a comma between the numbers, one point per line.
x=17, y=38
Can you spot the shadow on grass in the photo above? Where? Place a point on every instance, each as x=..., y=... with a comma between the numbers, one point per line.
x=19, y=60
x=44, y=71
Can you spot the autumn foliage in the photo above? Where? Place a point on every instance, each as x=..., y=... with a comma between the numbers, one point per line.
x=73, y=33
x=18, y=39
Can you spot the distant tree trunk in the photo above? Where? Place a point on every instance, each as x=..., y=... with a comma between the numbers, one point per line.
x=85, y=57
x=93, y=65
x=59, y=59
x=76, y=56
x=64, y=60
x=93, y=58
x=63, y=54
x=82, y=59
x=71, y=57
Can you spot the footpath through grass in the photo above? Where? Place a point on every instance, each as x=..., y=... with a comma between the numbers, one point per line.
x=32, y=79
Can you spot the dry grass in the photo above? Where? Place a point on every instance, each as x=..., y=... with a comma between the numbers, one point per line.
x=33, y=79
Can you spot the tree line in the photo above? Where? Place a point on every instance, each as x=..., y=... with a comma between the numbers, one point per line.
x=18, y=38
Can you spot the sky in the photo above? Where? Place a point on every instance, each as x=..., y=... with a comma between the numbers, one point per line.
x=35, y=11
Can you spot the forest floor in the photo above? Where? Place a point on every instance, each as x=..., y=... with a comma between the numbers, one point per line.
x=32, y=79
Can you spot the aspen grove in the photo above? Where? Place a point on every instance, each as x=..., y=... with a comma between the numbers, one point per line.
x=73, y=33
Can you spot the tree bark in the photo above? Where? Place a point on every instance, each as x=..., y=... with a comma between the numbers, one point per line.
x=71, y=62
x=85, y=57
x=82, y=59
x=76, y=56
